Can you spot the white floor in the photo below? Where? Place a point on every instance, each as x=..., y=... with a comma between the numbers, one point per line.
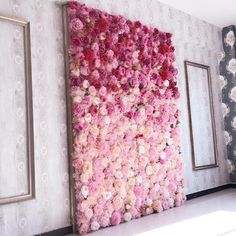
x=211, y=215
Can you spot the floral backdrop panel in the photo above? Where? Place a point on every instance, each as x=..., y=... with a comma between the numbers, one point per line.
x=126, y=155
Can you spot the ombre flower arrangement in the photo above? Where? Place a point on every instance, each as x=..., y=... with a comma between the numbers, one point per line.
x=127, y=159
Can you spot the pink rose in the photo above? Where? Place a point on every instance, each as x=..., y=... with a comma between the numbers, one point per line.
x=115, y=218
x=84, y=228
x=93, y=187
x=76, y=25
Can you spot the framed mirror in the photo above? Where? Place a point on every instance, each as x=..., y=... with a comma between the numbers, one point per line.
x=201, y=116
x=16, y=113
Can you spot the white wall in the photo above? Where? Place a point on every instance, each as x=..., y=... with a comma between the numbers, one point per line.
x=194, y=40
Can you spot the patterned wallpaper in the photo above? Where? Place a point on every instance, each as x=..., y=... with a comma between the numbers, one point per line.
x=228, y=83
x=194, y=40
x=50, y=209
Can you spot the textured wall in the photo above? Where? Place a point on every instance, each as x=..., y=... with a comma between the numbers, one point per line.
x=50, y=209
x=193, y=39
x=227, y=82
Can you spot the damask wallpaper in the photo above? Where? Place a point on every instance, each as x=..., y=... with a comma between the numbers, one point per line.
x=194, y=40
x=50, y=209
x=228, y=87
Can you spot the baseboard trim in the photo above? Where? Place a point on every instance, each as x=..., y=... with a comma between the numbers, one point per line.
x=209, y=191
x=58, y=232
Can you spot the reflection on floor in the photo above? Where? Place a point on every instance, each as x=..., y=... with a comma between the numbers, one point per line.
x=211, y=215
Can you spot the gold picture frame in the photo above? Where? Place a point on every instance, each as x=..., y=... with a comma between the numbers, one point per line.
x=29, y=114
x=194, y=142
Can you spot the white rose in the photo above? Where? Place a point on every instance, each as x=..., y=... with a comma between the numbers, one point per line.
x=169, y=141
x=85, y=191
x=157, y=187
x=162, y=155
x=127, y=216
x=136, y=91
x=171, y=202
x=96, y=101
x=83, y=139
x=107, y=195
x=139, y=179
x=107, y=120
x=118, y=174
x=75, y=71
x=94, y=130
x=141, y=149
x=149, y=202
x=88, y=117
x=85, y=84
x=166, y=194
x=77, y=99
x=95, y=226
x=103, y=110
x=166, y=83
x=131, y=97
x=142, y=111
x=149, y=170
x=131, y=173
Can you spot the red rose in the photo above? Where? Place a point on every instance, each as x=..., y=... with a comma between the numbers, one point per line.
x=73, y=5
x=164, y=75
x=163, y=49
x=125, y=87
x=168, y=35
x=137, y=24
x=102, y=25
x=93, y=110
x=89, y=55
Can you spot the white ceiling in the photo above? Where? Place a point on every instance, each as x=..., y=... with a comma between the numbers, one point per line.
x=218, y=12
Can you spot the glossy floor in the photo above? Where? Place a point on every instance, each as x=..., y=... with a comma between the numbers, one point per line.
x=211, y=215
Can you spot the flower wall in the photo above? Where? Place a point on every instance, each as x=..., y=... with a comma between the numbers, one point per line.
x=228, y=86
x=125, y=119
